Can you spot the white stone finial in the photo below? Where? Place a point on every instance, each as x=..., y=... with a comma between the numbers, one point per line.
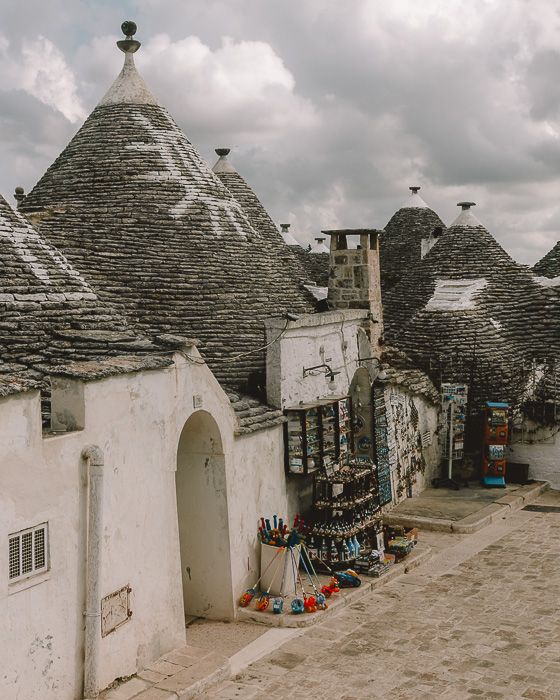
x=222, y=164
x=129, y=87
x=466, y=217
x=415, y=201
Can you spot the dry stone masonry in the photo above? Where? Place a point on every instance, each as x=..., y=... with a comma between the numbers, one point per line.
x=153, y=230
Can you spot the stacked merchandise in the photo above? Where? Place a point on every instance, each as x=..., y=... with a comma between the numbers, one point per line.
x=454, y=410
x=494, y=443
x=382, y=446
x=373, y=564
x=400, y=542
x=345, y=513
x=318, y=435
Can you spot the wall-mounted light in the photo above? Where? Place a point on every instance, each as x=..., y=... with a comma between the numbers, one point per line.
x=329, y=373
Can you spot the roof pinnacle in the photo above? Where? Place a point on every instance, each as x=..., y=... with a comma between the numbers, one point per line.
x=129, y=87
x=129, y=45
x=223, y=165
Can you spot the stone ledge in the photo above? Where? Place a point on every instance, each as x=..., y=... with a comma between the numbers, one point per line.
x=346, y=596
x=437, y=524
x=475, y=521
x=178, y=675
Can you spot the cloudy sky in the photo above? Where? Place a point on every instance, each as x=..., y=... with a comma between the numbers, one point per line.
x=332, y=109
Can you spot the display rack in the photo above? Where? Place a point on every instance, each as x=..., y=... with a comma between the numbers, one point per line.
x=346, y=512
x=495, y=439
x=318, y=435
x=453, y=412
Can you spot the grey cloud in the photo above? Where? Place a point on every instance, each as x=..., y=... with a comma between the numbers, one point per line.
x=453, y=103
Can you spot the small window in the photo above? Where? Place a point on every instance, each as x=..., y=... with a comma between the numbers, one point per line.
x=28, y=552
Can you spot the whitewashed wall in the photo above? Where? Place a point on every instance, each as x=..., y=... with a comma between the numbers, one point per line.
x=543, y=455
x=137, y=421
x=332, y=338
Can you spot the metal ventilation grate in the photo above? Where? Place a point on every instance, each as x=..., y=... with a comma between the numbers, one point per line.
x=27, y=552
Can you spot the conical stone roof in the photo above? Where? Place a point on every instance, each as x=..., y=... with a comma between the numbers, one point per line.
x=468, y=312
x=49, y=314
x=135, y=208
x=401, y=244
x=258, y=217
x=549, y=266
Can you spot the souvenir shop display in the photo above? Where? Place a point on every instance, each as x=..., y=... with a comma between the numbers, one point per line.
x=345, y=512
x=372, y=564
x=381, y=434
x=318, y=435
x=495, y=438
x=280, y=571
x=454, y=413
x=399, y=541
x=277, y=578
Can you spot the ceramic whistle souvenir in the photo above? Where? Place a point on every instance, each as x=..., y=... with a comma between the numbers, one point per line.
x=247, y=597
x=310, y=604
x=333, y=585
x=263, y=602
x=322, y=602
x=277, y=606
x=297, y=606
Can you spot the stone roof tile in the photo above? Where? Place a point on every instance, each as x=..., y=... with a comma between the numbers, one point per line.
x=549, y=265
x=401, y=244
x=485, y=342
x=134, y=207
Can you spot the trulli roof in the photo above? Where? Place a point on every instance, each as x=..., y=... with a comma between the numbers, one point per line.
x=468, y=312
x=49, y=314
x=401, y=244
x=549, y=266
x=131, y=203
x=259, y=218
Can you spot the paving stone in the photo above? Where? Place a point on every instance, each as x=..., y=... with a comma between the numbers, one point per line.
x=165, y=668
x=487, y=628
x=127, y=690
x=155, y=694
x=151, y=676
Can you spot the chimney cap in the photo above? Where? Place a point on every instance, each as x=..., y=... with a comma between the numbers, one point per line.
x=465, y=206
x=285, y=227
x=415, y=189
x=222, y=151
x=320, y=239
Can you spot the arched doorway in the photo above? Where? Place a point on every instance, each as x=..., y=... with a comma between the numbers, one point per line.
x=203, y=519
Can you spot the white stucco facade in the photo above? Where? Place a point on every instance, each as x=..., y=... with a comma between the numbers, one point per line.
x=542, y=454
x=333, y=338
x=137, y=420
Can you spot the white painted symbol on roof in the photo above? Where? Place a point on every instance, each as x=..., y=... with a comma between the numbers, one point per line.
x=177, y=161
x=455, y=295
x=27, y=242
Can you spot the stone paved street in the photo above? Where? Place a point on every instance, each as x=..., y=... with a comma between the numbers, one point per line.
x=481, y=620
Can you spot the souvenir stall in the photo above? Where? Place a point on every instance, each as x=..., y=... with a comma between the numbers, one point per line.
x=341, y=536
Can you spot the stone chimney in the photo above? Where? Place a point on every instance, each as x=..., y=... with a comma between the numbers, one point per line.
x=354, y=277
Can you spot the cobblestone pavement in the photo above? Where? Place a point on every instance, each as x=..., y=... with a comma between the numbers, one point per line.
x=486, y=627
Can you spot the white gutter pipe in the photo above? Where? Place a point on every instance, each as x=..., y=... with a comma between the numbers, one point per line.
x=93, y=456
